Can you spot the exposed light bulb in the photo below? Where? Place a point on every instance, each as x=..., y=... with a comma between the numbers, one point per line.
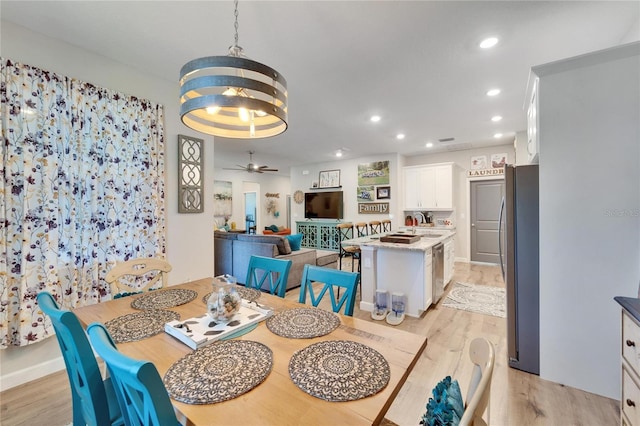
x=243, y=113
x=213, y=109
x=260, y=113
x=252, y=130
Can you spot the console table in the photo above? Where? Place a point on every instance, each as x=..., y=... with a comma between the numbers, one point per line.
x=319, y=234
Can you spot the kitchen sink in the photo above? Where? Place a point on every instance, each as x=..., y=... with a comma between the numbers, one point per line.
x=431, y=235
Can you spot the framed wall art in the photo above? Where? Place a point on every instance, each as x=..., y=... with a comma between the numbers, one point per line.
x=329, y=179
x=383, y=192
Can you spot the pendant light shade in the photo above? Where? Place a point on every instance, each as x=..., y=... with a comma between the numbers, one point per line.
x=233, y=96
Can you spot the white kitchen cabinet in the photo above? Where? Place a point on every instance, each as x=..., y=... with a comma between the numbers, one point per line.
x=532, y=121
x=630, y=403
x=449, y=260
x=429, y=187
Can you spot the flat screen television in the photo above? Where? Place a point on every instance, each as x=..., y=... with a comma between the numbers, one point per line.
x=323, y=205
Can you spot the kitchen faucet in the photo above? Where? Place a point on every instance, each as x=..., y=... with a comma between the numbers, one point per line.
x=423, y=220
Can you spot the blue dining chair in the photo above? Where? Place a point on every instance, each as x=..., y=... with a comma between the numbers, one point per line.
x=94, y=401
x=141, y=393
x=329, y=278
x=275, y=272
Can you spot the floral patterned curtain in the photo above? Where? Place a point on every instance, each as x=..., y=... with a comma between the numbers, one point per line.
x=81, y=187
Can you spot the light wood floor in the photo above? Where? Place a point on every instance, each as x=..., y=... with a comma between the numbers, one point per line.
x=517, y=398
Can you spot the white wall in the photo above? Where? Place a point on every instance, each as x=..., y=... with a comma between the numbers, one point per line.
x=520, y=145
x=303, y=176
x=461, y=192
x=262, y=183
x=589, y=223
x=189, y=249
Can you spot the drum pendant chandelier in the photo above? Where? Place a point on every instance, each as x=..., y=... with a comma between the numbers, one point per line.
x=233, y=96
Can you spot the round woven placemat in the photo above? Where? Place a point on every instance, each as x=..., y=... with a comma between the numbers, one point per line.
x=339, y=370
x=250, y=294
x=161, y=299
x=218, y=372
x=139, y=325
x=303, y=323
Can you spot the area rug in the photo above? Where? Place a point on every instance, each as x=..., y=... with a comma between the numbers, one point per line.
x=480, y=299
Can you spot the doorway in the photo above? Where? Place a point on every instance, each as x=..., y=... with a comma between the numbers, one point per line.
x=250, y=211
x=486, y=196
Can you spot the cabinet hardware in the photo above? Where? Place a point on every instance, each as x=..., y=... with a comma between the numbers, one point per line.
x=630, y=403
x=630, y=343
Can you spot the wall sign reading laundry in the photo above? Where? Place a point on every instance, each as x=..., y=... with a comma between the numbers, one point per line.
x=373, y=208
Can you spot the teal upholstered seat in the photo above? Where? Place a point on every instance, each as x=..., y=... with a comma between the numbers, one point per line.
x=271, y=271
x=94, y=400
x=330, y=279
x=141, y=393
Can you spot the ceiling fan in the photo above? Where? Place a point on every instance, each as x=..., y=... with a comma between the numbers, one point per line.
x=251, y=167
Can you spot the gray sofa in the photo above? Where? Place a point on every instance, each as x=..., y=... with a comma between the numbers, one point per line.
x=233, y=252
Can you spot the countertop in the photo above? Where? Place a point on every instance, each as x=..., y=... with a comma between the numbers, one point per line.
x=630, y=304
x=423, y=245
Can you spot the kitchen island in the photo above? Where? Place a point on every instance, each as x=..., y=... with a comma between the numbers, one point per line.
x=399, y=267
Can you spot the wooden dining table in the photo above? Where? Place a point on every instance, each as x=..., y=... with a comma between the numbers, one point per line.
x=277, y=400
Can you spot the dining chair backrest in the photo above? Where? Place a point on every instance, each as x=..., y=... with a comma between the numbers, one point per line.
x=137, y=276
x=362, y=229
x=93, y=400
x=271, y=271
x=386, y=225
x=483, y=357
x=329, y=278
x=142, y=396
x=376, y=227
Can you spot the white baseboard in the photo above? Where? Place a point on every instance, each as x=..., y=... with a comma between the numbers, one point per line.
x=32, y=372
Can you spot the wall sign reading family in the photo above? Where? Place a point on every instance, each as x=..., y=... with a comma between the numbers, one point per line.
x=373, y=208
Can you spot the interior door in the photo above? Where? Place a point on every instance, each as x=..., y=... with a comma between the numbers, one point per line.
x=486, y=196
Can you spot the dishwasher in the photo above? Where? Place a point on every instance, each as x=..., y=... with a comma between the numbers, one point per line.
x=437, y=272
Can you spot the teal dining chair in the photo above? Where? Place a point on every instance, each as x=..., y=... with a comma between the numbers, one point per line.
x=93, y=399
x=266, y=270
x=143, y=398
x=330, y=279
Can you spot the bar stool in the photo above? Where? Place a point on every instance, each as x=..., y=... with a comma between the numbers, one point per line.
x=386, y=225
x=345, y=231
x=376, y=227
x=362, y=229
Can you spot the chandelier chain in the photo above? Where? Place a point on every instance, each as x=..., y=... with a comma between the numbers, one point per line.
x=235, y=3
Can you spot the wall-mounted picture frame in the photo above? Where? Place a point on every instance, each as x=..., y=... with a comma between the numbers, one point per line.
x=329, y=179
x=365, y=194
x=383, y=192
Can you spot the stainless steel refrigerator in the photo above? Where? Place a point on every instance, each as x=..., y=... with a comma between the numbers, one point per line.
x=519, y=253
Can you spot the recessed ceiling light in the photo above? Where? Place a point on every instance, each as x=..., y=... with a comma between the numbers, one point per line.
x=497, y=135
x=493, y=92
x=339, y=154
x=400, y=136
x=375, y=118
x=496, y=118
x=429, y=145
x=488, y=42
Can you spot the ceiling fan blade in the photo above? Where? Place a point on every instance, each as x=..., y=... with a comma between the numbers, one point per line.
x=232, y=168
x=269, y=170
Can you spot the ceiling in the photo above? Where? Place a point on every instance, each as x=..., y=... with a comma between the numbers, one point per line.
x=416, y=64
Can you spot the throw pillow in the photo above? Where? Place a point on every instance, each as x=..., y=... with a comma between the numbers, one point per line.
x=274, y=228
x=446, y=406
x=295, y=241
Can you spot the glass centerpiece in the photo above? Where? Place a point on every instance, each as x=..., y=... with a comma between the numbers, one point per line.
x=225, y=301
